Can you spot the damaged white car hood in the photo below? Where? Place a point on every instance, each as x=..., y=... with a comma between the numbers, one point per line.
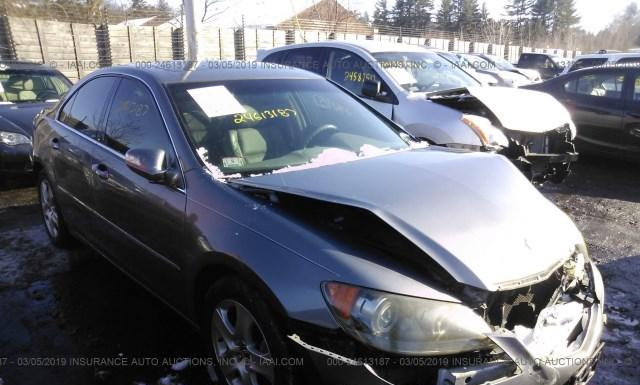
x=523, y=110
x=472, y=213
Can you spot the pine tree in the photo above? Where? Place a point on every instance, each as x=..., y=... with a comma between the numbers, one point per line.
x=381, y=13
x=484, y=14
x=565, y=17
x=400, y=13
x=445, y=16
x=421, y=12
x=520, y=12
x=468, y=16
x=542, y=15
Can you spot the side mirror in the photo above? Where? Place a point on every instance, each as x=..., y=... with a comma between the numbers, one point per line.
x=148, y=163
x=371, y=88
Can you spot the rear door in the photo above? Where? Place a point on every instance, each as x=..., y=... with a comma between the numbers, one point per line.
x=75, y=140
x=350, y=71
x=632, y=113
x=595, y=100
x=141, y=225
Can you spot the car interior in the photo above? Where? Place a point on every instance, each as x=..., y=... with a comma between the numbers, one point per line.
x=277, y=129
x=26, y=88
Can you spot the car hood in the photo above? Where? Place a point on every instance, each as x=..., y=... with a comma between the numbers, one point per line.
x=518, y=109
x=19, y=117
x=472, y=213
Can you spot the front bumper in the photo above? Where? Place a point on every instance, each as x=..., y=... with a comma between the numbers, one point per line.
x=16, y=159
x=515, y=366
x=542, y=157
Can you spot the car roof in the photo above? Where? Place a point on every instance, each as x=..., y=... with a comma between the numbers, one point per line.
x=178, y=71
x=609, y=56
x=23, y=65
x=371, y=46
x=542, y=54
x=602, y=69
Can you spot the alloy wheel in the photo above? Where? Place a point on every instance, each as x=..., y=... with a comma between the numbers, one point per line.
x=49, y=209
x=240, y=346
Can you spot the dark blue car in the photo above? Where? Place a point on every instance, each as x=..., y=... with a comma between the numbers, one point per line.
x=25, y=89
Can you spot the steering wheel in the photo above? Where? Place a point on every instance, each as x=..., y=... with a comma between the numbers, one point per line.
x=320, y=130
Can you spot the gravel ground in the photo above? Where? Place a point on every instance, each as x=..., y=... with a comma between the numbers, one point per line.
x=65, y=305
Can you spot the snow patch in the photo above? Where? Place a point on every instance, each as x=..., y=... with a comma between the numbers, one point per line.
x=212, y=168
x=336, y=155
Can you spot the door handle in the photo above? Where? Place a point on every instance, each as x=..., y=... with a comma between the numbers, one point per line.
x=101, y=171
x=55, y=143
x=635, y=132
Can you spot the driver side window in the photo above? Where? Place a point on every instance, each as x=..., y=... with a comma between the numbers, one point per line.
x=351, y=71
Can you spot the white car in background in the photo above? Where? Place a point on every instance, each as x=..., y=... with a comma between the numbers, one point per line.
x=504, y=65
x=483, y=66
x=435, y=100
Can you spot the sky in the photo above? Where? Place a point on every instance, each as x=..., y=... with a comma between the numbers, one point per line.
x=595, y=14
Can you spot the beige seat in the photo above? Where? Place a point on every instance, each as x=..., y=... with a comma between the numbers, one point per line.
x=245, y=141
x=248, y=144
x=20, y=88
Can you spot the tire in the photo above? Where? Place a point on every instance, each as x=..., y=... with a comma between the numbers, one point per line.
x=243, y=354
x=51, y=215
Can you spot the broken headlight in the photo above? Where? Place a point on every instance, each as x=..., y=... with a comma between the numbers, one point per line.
x=406, y=325
x=489, y=135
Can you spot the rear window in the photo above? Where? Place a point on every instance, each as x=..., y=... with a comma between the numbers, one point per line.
x=629, y=61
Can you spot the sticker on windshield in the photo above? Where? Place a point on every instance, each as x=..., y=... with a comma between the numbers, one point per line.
x=276, y=113
x=233, y=162
x=216, y=101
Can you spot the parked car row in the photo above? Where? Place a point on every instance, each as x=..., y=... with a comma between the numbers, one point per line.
x=435, y=99
x=286, y=213
x=292, y=213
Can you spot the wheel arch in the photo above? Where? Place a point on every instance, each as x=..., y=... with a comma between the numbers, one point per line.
x=219, y=266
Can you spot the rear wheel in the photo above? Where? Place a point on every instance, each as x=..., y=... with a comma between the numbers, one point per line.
x=243, y=336
x=51, y=216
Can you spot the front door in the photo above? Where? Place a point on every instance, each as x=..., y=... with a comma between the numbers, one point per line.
x=632, y=114
x=595, y=99
x=142, y=222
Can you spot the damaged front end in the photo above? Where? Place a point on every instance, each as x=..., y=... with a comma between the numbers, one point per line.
x=543, y=156
x=547, y=333
x=542, y=149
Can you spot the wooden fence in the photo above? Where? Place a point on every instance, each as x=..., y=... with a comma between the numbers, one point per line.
x=77, y=49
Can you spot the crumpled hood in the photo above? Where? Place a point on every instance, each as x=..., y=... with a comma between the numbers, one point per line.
x=19, y=117
x=473, y=213
x=523, y=110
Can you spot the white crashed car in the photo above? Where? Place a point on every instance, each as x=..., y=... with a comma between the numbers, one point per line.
x=438, y=102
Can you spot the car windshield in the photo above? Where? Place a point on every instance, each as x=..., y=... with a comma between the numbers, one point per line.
x=423, y=71
x=501, y=63
x=476, y=62
x=246, y=127
x=31, y=86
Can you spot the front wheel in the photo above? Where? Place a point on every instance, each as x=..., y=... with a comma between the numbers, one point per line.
x=51, y=216
x=243, y=336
